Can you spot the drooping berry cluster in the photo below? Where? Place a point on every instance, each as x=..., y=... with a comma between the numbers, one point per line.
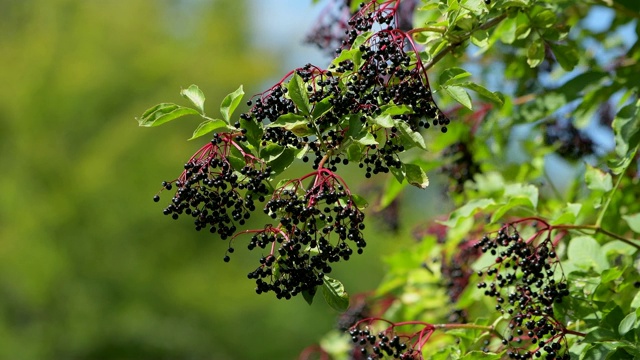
x=571, y=143
x=318, y=226
x=218, y=196
x=525, y=283
x=461, y=168
x=380, y=81
x=388, y=343
x=456, y=269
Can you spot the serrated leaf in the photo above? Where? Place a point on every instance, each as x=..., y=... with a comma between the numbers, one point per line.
x=334, y=294
x=163, y=113
x=597, y=179
x=416, y=176
x=460, y=95
x=230, y=103
x=208, y=126
x=494, y=97
x=298, y=93
x=195, y=95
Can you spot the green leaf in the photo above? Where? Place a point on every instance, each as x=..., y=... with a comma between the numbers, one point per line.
x=597, y=179
x=283, y=161
x=298, y=94
x=544, y=19
x=633, y=221
x=208, y=126
x=295, y=123
x=568, y=215
x=359, y=201
x=320, y=108
x=230, y=103
x=195, y=95
x=384, y=121
x=309, y=295
x=494, y=97
x=254, y=132
x=627, y=323
x=566, y=55
x=626, y=127
x=409, y=136
x=271, y=152
x=451, y=75
x=366, y=138
x=163, y=113
x=535, y=53
x=416, y=176
x=480, y=38
x=460, y=95
x=467, y=210
x=395, y=110
x=334, y=294
x=585, y=252
x=354, y=152
x=236, y=162
x=506, y=30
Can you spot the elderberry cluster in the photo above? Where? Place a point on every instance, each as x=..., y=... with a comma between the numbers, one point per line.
x=461, y=167
x=386, y=344
x=571, y=143
x=524, y=283
x=216, y=195
x=318, y=226
x=381, y=76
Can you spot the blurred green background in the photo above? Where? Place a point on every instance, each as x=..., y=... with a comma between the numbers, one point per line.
x=89, y=266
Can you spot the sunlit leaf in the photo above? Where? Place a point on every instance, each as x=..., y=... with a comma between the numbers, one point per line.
x=195, y=95
x=208, y=126
x=230, y=103
x=163, y=113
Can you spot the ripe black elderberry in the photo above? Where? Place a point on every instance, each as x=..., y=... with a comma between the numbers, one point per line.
x=217, y=195
x=525, y=286
x=318, y=225
x=388, y=343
